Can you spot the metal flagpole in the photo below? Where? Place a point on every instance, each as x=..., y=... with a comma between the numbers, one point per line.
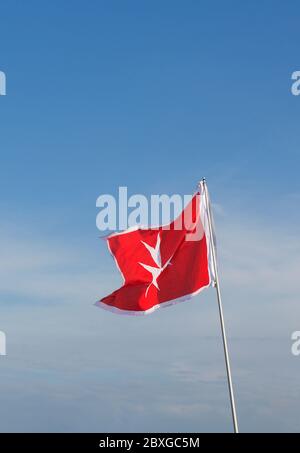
x=217, y=286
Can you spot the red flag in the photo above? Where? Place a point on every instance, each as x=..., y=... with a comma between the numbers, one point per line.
x=164, y=265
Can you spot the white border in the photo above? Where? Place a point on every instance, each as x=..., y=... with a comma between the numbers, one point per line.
x=168, y=303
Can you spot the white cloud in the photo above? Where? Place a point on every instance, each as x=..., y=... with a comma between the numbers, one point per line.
x=45, y=269
x=178, y=355
x=264, y=257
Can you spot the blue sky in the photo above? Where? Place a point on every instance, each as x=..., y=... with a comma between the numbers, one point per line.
x=153, y=96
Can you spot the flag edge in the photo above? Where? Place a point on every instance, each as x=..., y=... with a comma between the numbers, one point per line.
x=151, y=310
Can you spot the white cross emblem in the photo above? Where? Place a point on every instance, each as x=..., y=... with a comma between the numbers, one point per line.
x=154, y=271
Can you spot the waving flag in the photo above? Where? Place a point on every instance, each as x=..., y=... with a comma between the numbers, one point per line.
x=162, y=266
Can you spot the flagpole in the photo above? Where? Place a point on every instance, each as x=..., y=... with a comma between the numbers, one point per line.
x=217, y=286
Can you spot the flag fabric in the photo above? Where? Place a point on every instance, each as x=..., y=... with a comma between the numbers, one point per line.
x=162, y=266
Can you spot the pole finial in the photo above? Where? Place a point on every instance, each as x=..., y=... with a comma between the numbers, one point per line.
x=201, y=183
